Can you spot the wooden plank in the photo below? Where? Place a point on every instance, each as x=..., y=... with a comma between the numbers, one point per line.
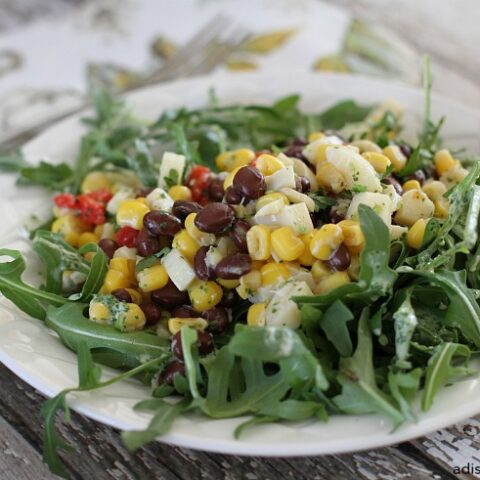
x=18, y=459
x=109, y=459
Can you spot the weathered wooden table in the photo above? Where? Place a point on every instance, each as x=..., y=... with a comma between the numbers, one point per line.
x=100, y=453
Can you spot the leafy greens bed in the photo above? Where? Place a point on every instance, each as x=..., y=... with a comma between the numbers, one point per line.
x=409, y=322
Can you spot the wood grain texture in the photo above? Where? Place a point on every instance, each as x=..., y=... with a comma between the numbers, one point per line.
x=100, y=453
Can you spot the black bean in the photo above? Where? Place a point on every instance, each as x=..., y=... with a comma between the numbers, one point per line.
x=161, y=223
x=202, y=270
x=172, y=369
x=215, y=189
x=146, y=244
x=204, y=344
x=169, y=296
x=182, y=209
x=108, y=246
x=335, y=215
x=176, y=345
x=217, y=319
x=406, y=149
x=394, y=183
x=215, y=218
x=250, y=182
x=239, y=235
x=184, y=311
x=122, y=295
x=233, y=196
x=233, y=266
x=305, y=182
x=419, y=176
x=152, y=312
x=340, y=260
x=229, y=298
x=295, y=149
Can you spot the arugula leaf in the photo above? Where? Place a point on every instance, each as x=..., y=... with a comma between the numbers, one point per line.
x=342, y=113
x=172, y=178
x=141, y=162
x=404, y=387
x=151, y=259
x=51, y=177
x=322, y=202
x=334, y=324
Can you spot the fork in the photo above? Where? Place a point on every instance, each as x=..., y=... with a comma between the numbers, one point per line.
x=208, y=48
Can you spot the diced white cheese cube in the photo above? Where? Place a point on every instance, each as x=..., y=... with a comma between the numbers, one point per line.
x=285, y=177
x=213, y=256
x=285, y=160
x=271, y=208
x=172, y=166
x=297, y=217
x=125, y=252
x=159, y=199
x=297, y=197
x=118, y=198
x=394, y=196
x=381, y=204
x=178, y=269
x=310, y=150
x=356, y=170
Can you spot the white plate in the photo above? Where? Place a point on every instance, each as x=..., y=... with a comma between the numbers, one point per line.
x=36, y=355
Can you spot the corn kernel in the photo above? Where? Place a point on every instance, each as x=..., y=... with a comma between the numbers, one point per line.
x=99, y=313
x=114, y=280
x=435, y=190
x=256, y=315
x=320, y=155
x=312, y=137
x=353, y=237
x=306, y=258
x=180, y=192
x=259, y=242
x=411, y=185
x=269, y=198
x=135, y=295
x=416, y=233
x=229, y=161
x=125, y=266
x=152, y=278
x=228, y=182
x=95, y=181
x=366, y=146
x=286, y=245
x=175, y=324
x=326, y=241
x=130, y=213
x=441, y=208
x=330, y=178
x=444, y=161
x=187, y=246
x=396, y=156
x=70, y=227
x=201, y=237
x=228, y=284
x=320, y=270
x=249, y=283
x=204, y=295
x=268, y=164
x=378, y=161
x=132, y=319
x=273, y=272
x=331, y=282
x=85, y=238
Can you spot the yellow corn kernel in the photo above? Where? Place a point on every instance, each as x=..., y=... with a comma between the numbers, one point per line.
x=378, y=161
x=60, y=211
x=229, y=178
x=125, y=266
x=132, y=319
x=331, y=282
x=187, y=246
x=95, y=181
x=87, y=237
x=180, y=192
x=115, y=279
x=306, y=258
x=106, y=230
x=326, y=241
x=202, y=238
x=98, y=230
x=320, y=270
x=268, y=164
x=228, y=161
x=286, y=245
x=130, y=213
x=273, y=272
x=70, y=227
x=175, y=324
x=204, y=295
x=152, y=278
x=269, y=198
x=99, y=313
x=329, y=178
x=441, y=208
x=256, y=315
x=416, y=233
x=142, y=200
x=434, y=190
x=259, y=242
x=365, y=146
x=136, y=295
x=398, y=159
x=249, y=283
x=228, y=284
x=411, y=185
x=353, y=237
x=315, y=136
x=444, y=161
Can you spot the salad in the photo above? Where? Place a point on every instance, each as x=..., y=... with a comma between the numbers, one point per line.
x=256, y=260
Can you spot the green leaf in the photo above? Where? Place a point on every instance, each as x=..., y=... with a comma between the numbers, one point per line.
x=404, y=388
x=88, y=373
x=322, y=202
x=441, y=369
x=342, y=113
x=12, y=162
x=151, y=260
x=405, y=322
x=141, y=162
x=334, y=324
x=51, y=177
